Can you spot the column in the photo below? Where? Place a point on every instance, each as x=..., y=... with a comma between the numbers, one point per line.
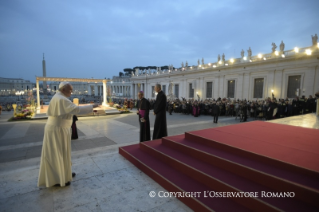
x=131, y=89
x=89, y=90
x=95, y=90
x=201, y=92
x=38, y=97
x=104, y=93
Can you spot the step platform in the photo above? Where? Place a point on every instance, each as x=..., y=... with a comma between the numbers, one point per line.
x=265, y=158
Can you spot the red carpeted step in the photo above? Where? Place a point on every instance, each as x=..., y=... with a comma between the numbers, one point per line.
x=175, y=181
x=219, y=179
x=209, y=155
x=258, y=162
x=259, y=140
x=296, y=137
x=293, y=156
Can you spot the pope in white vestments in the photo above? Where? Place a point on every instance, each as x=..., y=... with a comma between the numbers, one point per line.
x=55, y=165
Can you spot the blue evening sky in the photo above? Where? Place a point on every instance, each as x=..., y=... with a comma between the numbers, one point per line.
x=99, y=38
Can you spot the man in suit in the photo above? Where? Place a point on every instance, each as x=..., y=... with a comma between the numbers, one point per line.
x=215, y=111
x=160, y=125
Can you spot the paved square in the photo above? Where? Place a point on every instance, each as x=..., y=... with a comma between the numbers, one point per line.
x=105, y=181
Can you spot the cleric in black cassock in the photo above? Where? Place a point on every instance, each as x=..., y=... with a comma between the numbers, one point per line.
x=74, y=129
x=143, y=113
x=160, y=126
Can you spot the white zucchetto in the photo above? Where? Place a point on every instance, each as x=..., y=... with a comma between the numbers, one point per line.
x=63, y=84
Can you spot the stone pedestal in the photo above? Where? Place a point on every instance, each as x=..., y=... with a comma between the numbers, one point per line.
x=317, y=111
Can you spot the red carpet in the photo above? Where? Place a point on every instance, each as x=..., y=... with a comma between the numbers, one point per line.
x=249, y=157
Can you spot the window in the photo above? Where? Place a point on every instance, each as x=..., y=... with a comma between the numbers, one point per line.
x=191, y=91
x=293, y=86
x=209, y=90
x=164, y=89
x=177, y=90
x=258, y=88
x=153, y=92
x=231, y=89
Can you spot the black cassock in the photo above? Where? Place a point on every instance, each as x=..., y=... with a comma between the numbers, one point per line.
x=145, y=131
x=74, y=129
x=160, y=126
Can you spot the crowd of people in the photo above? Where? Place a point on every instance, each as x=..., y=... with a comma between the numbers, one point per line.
x=267, y=109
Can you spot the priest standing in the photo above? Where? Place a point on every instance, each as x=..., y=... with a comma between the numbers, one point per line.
x=160, y=125
x=55, y=165
x=144, y=120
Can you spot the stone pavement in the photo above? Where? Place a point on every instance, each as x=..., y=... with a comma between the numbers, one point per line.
x=105, y=181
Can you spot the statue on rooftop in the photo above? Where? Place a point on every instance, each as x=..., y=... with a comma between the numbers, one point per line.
x=282, y=46
x=198, y=62
x=242, y=53
x=273, y=47
x=202, y=61
x=314, y=40
x=223, y=57
x=249, y=52
x=218, y=58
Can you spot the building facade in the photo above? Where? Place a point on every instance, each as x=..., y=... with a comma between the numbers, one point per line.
x=15, y=86
x=280, y=73
x=120, y=86
x=117, y=87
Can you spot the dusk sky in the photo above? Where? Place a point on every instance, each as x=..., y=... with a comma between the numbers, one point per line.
x=100, y=38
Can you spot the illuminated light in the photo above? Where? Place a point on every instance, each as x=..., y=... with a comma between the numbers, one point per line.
x=308, y=51
x=264, y=58
x=283, y=56
x=318, y=45
x=191, y=67
x=296, y=49
x=231, y=60
x=226, y=64
x=220, y=62
x=272, y=91
x=276, y=53
x=250, y=61
x=200, y=65
x=260, y=56
x=245, y=58
x=209, y=64
x=214, y=66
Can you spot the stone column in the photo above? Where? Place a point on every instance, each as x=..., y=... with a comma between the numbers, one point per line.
x=38, y=97
x=95, y=90
x=104, y=93
x=89, y=89
x=136, y=90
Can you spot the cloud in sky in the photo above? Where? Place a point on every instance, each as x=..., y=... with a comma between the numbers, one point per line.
x=100, y=38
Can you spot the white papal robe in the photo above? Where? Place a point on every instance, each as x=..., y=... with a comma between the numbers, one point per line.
x=55, y=165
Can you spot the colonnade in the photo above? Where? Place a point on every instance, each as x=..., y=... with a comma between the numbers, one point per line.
x=125, y=90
